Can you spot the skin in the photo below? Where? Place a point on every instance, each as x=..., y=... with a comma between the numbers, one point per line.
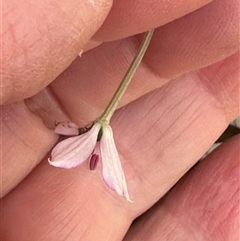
x=183, y=96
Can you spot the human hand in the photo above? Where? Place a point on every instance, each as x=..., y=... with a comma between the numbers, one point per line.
x=159, y=136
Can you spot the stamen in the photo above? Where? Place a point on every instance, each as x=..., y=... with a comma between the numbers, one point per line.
x=93, y=161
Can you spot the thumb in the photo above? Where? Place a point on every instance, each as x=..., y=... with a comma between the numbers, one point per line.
x=41, y=38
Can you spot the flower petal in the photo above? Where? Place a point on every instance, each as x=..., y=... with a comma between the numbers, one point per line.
x=112, y=171
x=66, y=128
x=75, y=150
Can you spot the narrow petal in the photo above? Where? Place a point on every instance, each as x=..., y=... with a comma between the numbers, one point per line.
x=66, y=128
x=113, y=173
x=75, y=150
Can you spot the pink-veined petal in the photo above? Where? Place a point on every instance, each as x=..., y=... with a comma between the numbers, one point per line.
x=66, y=128
x=113, y=173
x=75, y=150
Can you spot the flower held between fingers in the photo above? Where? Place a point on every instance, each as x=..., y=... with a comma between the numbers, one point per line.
x=75, y=150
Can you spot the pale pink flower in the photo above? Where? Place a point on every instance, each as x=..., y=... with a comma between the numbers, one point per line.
x=75, y=150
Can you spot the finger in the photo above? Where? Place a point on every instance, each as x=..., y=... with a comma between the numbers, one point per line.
x=25, y=141
x=40, y=39
x=197, y=40
x=204, y=205
x=169, y=127
x=127, y=18
x=90, y=217
x=168, y=135
x=175, y=49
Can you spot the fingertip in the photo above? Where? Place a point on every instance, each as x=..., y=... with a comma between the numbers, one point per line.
x=41, y=39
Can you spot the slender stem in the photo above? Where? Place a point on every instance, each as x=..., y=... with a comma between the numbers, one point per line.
x=107, y=114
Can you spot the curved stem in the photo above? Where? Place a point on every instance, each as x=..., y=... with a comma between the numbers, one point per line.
x=107, y=114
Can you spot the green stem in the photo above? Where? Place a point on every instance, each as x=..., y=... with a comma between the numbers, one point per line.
x=107, y=114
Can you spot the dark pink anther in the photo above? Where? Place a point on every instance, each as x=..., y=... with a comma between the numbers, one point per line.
x=94, y=161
